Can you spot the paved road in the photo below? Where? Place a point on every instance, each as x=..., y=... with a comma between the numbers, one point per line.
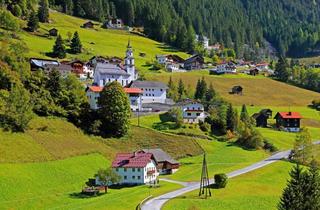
x=157, y=202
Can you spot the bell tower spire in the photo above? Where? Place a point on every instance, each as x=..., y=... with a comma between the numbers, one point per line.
x=129, y=62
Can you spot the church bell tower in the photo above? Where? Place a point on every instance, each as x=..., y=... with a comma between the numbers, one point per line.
x=129, y=62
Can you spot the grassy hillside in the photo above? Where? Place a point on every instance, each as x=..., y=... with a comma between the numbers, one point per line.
x=51, y=139
x=258, y=91
x=259, y=189
x=96, y=41
x=56, y=185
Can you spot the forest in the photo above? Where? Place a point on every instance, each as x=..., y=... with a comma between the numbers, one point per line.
x=290, y=26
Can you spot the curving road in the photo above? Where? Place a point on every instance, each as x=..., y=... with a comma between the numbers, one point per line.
x=157, y=202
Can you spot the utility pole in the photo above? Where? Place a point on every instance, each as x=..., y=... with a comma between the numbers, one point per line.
x=204, y=183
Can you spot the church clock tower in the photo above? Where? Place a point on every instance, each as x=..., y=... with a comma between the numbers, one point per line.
x=129, y=63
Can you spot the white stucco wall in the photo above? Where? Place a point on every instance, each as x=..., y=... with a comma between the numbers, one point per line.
x=153, y=95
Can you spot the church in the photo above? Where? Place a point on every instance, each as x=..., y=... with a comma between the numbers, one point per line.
x=108, y=72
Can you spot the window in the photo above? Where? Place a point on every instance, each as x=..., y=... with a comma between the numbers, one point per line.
x=152, y=89
x=125, y=170
x=189, y=114
x=133, y=169
x=139, y=177
x=161, y=90
x=139, y=169
x=142, y=89
x=133, y=177
x=152, y=94
x=117, y=169
x=198, y=114
x=124, y=177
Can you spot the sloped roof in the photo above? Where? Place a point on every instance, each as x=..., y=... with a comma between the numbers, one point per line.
x=132, y=160
x=95, y=89
x=108, y=68
x=289, y=115
x=133, y=90
x=161, y=156
x=148, y=84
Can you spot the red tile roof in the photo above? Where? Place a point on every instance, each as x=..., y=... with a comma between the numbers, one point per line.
x=290, y=115
x=95, y=89
x=132, y=160
x=133, y=90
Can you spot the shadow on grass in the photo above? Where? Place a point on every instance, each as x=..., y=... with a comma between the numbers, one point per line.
x=167, y=48
x=79, y=195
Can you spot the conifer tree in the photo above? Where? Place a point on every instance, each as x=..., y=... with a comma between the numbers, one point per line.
x=33, y=22
x=59, y=50
x=244, y=116
x=181, y=89
x=292, y=197
x=43, y=11
x=312, y=191
x=76, y=46
x=211, y=93
x=302, y=151
x=232, y=118
x=172, y=92
x=197, y=94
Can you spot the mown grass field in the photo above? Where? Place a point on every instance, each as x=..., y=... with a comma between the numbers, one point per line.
x=221, y=158
x=56, y=185
x=258, y=91
x=260, y=189
x=97, y=41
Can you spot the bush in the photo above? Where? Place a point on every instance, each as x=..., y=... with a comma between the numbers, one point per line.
x=269, y=146
x=220, y=180
x=205, y=127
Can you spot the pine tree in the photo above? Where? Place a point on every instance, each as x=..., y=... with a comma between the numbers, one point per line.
x=172, y=92
x=115, y=110
x=197, y=94
x=43, y=11
x=76, y=46
x=293, y=196
x=33, y=22
x=232, y=118
x=312, y=191
x=181, y=89
x=53, y=84
x=244, y=116
x=211, y=93
x=59, y=50
x=282, y=69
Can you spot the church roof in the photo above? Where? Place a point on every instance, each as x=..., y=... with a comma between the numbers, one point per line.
x=108, y=68
x=148, y=84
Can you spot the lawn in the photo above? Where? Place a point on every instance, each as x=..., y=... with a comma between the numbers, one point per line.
x=56, y=184
x=260, y=189
x=96, y=41
x=258, y=91
x=53, y=139
x=221, y=158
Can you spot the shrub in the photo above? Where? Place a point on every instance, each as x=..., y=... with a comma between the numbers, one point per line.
x=269, y=146
x=220, y=180
x=205, y=127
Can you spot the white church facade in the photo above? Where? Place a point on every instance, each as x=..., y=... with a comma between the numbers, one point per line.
x=108, y=72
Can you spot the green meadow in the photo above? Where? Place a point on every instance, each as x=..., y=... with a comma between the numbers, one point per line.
x=260, y=189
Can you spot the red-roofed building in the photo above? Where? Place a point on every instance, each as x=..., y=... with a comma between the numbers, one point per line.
x=134, y=94
x=135, y=168
x=289, y=121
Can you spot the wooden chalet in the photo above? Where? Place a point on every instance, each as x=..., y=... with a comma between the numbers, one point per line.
x=194, y=62
x=288, y=121
x=88, y=24
x=262, y=117
x=53, y=32
x=254, y=72
x=237, y=90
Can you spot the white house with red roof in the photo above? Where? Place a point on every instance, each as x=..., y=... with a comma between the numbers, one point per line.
x=193, y=112
x=288, y=121
x=135, y=168
x=134, y=94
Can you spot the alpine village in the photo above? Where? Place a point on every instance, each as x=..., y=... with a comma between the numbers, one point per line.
x=160, y=104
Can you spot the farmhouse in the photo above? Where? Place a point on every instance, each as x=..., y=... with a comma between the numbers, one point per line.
x=135, y=168
x=262, y=117
x=193, y=112
x=153, y=92
x=225, y=68
x=113, y=23
x=53, y=32
x=194, y=62
x=288, y=121
x=134, y=94
x=38, y=63
x=165, y=163
x=254, y=72
x=162, y=59
x=109, y=72
x=88, y=24
x=237, y=90
x=63, y=69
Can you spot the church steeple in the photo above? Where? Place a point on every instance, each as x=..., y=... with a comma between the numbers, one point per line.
x=129, y=62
